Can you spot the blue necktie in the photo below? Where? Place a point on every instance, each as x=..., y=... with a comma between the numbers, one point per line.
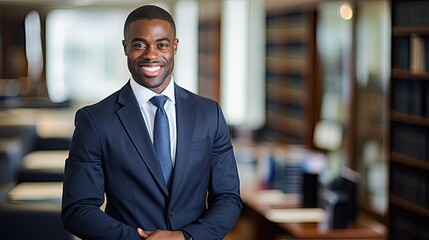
x=161, y=138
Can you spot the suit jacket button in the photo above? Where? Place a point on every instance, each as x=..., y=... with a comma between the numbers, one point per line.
x=171, y=213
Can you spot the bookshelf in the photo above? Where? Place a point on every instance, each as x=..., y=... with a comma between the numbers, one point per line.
x=409, y=121
x=290, y=74
x=12, y=60
x=209, y=49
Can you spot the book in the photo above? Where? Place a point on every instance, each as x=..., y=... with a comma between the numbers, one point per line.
x=400, y=55
x=417, y=55
x=426, y=101
x=400, y=95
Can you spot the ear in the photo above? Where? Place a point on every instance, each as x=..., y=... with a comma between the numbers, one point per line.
x=175, y=44
x=125, y=47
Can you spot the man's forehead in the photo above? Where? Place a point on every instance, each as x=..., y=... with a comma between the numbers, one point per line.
x=144, y=24
x=140, y=22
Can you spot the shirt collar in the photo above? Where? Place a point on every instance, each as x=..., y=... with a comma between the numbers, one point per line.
x=143, y=94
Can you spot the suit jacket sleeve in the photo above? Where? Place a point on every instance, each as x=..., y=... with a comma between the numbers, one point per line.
x=224, y=201
x=83, y=191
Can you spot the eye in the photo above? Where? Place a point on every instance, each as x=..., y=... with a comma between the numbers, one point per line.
x=162, y=45
x=139, y=45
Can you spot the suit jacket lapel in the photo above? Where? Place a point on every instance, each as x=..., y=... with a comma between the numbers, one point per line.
x=133, y=122
x=185, y=117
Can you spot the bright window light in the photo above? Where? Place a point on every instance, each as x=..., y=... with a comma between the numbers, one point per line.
x=243, y=63
x=234, y=60
x=85, y=58
x=33, y=46
x=186, y=59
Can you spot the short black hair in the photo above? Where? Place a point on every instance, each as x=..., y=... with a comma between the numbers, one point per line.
x=149, y=12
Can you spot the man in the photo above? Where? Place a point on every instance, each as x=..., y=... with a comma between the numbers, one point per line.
x=113, y=154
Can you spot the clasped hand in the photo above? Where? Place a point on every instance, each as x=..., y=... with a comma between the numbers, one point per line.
x=160, y=235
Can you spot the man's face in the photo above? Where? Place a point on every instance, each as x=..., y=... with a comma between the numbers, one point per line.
x=150, y=47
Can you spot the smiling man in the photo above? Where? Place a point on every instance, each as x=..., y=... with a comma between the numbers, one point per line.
x=160, y=155
x=150, y=51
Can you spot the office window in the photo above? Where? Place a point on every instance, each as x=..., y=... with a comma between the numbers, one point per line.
x=85, y=58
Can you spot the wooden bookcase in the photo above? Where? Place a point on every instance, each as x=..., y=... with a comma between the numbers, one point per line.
x=209, y=49
x=409, y=121
x=291, y=91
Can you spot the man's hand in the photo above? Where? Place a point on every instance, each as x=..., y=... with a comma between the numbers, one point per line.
x=160, y=235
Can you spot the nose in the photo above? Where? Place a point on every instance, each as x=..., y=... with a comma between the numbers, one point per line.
x=151, y=53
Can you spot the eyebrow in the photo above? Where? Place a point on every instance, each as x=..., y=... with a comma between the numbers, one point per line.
x=144, y=40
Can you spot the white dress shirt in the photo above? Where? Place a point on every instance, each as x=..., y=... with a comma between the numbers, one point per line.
x=148, y=110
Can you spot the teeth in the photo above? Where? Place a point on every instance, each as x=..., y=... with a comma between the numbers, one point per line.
x=152, y=69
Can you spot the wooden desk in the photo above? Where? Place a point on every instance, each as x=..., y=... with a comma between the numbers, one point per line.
x=257, y=205
x=36, y=192
x=256, y=222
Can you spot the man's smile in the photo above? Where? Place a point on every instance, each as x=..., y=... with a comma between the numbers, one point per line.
x=151, y=68
x=152, y=71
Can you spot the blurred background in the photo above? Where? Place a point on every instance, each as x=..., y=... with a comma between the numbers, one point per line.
x=327, y=102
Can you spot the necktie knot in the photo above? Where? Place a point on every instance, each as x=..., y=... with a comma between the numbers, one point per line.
x=158, y=101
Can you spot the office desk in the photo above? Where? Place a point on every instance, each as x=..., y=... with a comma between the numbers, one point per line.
x=259, y=203
x=33, y=211
x=257, y=221
x=36, y=192
x=43, y=166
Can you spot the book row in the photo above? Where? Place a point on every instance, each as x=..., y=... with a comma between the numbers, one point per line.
x=411, y=97
x=410, y=13
x=407, y=225
x=411, y=52
x=410, y=184
x=410, y=140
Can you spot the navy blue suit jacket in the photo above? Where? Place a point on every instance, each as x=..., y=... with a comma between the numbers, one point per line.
x=112, y=156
